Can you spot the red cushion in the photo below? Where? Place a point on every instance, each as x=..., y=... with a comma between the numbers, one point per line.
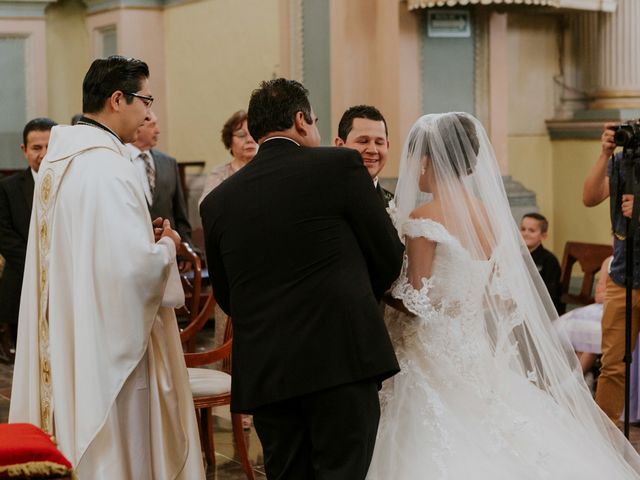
x=27, y=451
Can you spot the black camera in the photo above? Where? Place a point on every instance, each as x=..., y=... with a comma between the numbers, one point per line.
x=627, y=135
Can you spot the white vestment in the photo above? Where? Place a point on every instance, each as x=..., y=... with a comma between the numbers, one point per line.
x=99, y=362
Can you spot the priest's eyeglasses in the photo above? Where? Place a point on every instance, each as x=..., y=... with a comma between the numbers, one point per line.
x=148, y=101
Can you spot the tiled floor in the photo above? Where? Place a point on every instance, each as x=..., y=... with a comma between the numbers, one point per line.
x=227, y=463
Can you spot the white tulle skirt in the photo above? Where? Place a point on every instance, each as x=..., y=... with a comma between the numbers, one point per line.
x=453, y=413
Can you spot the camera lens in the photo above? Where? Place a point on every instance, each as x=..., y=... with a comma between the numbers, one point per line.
x=623, y=135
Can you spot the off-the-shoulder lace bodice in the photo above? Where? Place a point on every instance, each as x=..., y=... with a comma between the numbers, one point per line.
x=443, y=349
x=457, y=282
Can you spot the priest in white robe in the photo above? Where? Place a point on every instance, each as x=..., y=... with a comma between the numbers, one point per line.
x=99, y=362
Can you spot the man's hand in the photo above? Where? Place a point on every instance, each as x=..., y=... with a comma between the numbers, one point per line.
x=157, y=228
x=608, y=142
x=627, y=205
x=596, y=185
x=171, y=234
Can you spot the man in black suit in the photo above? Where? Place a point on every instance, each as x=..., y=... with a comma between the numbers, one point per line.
x=16, y=200
x=300, y=250
x=158, y=173
x=364, y=129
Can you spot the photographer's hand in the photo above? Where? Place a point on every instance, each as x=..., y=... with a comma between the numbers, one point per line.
x=608, y=142
x=596, y=185
x=627, y=205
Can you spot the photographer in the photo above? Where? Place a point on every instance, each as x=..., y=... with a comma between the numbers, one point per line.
x=610, y=390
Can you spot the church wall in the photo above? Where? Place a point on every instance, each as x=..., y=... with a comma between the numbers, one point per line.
x=375, y=59
x=530, y=163
x=572, y=160
x=532, y=63
x=217, y=52
x=23, y=81
x=316, y=63
x=532, y=55
x=68, y=58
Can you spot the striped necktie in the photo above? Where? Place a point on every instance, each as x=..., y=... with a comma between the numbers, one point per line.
x=148, y=168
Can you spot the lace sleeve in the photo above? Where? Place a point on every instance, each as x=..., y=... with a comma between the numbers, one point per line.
x=416, y=301
x=427, y=228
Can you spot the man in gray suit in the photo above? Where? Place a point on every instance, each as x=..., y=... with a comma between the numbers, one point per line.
x=158, y=173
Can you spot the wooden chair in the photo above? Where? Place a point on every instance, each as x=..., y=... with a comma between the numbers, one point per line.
x=590, y=257
x=191, y=283
x=212, y=388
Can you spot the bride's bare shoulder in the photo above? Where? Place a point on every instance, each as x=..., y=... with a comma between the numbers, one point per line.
x=429, y=211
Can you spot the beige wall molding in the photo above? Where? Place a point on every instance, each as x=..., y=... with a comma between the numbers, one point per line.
x=95, y=6
x=595, y=5
x=23, y=8
x=33, y=31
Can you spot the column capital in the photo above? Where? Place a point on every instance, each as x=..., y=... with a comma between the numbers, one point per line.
x=23, y=8
x=95, y=6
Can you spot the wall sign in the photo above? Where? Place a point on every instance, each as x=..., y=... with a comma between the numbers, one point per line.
x=448, y=23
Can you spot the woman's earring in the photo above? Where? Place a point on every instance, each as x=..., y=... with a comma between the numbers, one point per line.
x=423, y=170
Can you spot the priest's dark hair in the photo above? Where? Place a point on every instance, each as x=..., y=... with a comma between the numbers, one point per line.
x=273, y=106
x=359, y=111
x=40, y=124
x=107, y=75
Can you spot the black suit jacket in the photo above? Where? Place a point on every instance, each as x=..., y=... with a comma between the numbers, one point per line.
x=16, y=200
x=168, y=198
x=384, y=194
x=300, y=249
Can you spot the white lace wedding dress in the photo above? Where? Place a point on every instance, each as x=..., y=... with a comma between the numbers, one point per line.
x=456, y=411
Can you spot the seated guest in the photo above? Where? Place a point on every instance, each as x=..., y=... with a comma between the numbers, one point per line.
x=237, y=139
x=16, y=200
x=158, y=173
x=364, y=129
x=534, y=229
x=583, y=325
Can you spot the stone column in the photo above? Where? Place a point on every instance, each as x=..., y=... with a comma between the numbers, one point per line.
x=618, y=63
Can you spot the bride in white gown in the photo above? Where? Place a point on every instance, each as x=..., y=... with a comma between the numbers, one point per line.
x=487, y=388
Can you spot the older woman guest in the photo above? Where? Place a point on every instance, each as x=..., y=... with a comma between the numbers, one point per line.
x=238, y=140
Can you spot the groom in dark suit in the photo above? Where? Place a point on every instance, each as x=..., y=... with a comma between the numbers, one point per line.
x=300, y=250
x=16, y=201
x=363, y=128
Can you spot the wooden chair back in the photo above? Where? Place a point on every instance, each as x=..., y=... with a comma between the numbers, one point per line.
x=189, y=331
x=590, y=257
x=223, y=352
x=191, y=283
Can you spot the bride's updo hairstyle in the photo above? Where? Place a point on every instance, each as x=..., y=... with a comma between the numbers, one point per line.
x=456, y=135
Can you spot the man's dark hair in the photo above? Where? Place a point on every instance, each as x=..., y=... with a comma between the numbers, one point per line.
x=359, y=111
x=273, y=106
x=542, y=220
x=107, y=75
x=41, y=124
x=233, y=123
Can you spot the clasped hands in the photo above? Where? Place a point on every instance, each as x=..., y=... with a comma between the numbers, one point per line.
x=162, y=228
